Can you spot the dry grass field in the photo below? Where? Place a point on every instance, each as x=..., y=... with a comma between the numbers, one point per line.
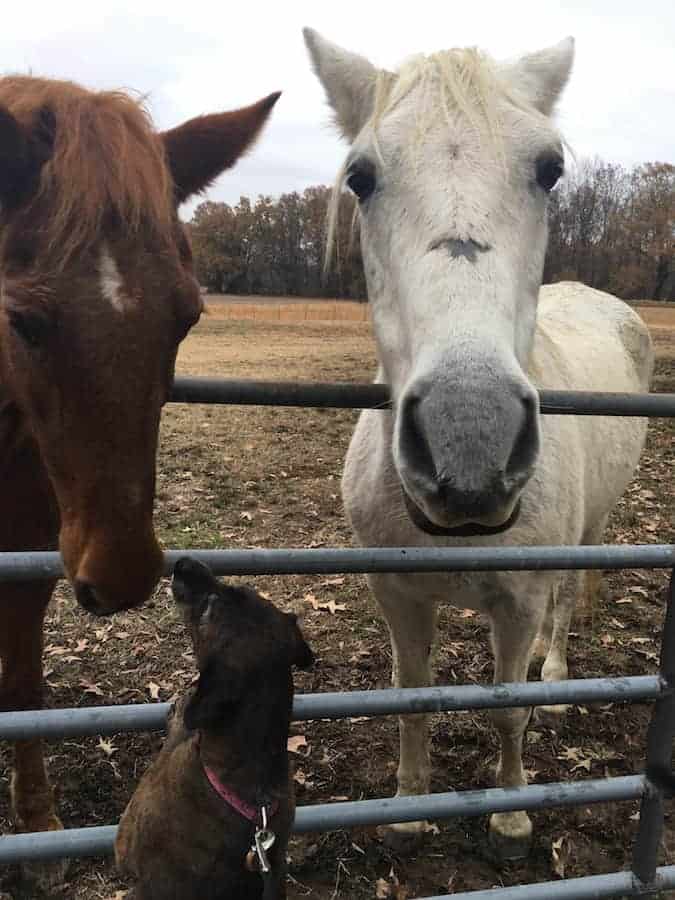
x=286, y=310
x=241, y=477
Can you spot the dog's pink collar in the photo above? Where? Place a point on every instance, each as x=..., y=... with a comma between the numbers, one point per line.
x=252, y=813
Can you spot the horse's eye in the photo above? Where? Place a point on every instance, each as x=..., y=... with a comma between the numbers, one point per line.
x=32, y=328
x=549, y=170
x=361, y=179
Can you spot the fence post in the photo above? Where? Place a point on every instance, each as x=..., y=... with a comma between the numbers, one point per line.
x=659, y=779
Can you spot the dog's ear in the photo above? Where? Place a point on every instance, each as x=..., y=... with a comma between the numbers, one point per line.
x=302, y=655
x=218, y=690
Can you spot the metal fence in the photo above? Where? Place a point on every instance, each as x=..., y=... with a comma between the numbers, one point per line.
x=652, y=788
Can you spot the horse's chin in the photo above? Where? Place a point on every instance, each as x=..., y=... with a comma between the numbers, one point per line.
x=468, y=529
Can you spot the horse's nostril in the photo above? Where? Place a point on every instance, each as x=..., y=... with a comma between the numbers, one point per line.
x=526, y=445
x=414, y=445
x=86, y=596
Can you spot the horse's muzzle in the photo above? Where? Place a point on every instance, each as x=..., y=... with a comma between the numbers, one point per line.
x=469, y=529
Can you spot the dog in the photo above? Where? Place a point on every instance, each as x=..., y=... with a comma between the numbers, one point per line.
x=223, y=775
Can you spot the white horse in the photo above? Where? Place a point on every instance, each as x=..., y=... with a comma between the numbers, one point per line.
x=452, y=159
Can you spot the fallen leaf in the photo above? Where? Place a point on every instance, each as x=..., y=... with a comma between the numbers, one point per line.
x=560, y=852
x=318, y=605
x=382, y=889
x=312, y=600
x=107, y=746
x=390, y=889
x=301, y=778
x=333, y=607
x=295, y=742
x=154, y=690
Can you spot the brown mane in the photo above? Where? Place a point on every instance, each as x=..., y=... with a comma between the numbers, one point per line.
x=106, y=159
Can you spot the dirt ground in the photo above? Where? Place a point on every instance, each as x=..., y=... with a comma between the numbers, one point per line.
x=240, y=477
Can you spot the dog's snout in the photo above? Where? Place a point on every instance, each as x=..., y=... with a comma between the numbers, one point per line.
x=185, y=567
x=190, y=575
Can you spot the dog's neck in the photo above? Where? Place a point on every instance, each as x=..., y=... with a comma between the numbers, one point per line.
x=250, y=755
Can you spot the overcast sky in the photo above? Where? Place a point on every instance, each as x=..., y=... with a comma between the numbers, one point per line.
x=197, y=57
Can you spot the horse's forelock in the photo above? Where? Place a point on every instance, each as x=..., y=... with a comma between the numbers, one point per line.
x=106, y=163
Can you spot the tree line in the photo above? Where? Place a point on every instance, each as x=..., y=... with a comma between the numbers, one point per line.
x=610, y=227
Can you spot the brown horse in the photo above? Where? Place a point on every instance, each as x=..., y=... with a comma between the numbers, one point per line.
x=96, y=292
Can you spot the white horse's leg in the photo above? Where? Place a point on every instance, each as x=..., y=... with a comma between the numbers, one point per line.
x=576, y=586
x=543, y=642
x=412, y=631
x=514, y=630
x=555, y=664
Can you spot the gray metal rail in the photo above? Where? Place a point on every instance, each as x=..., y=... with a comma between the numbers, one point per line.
x=342, y=395
x=33, y=565
x=57, y=723
x=591, y=887
x=77, y=842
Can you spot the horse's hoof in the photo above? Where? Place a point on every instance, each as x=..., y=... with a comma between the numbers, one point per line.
x=551, y=717
x=510, y=836
x=405, y=838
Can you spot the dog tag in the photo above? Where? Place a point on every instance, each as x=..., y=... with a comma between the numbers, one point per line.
x=264, y=841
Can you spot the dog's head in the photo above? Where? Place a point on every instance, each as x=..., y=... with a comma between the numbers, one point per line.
x=245, y=646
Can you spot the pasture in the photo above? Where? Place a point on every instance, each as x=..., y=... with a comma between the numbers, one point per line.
x=239, y=477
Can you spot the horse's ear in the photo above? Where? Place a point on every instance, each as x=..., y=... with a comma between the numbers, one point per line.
x=23, y=152
x=542, y=76
x=200, y=149
x=348, y=79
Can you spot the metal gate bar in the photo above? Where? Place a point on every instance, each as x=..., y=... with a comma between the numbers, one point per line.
x=33, y=565
x=343, y=395
x=615, y=884
x=57, y=723
x=330, y=816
